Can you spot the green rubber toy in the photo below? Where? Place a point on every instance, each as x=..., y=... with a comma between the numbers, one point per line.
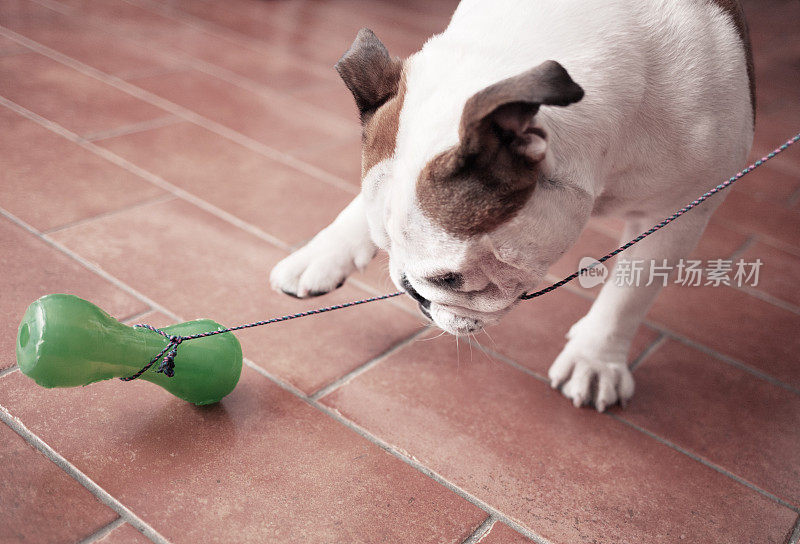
x=65, y=341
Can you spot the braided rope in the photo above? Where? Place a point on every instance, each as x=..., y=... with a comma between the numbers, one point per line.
x=169, y=352
x=705, y=196
x=167, y=365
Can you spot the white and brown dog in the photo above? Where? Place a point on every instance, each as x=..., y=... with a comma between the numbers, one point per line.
x=485, y=153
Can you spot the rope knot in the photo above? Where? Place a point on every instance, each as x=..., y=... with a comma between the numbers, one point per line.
x=167, y=366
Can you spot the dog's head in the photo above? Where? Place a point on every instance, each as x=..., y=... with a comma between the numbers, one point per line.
x=472, y=218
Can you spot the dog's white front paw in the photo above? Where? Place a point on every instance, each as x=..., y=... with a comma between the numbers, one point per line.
x=591, y=379
x=319, y=267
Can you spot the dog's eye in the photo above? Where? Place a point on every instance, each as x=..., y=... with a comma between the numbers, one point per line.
x=451, y=280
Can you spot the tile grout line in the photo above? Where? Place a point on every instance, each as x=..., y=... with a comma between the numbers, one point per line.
x=100, y=494
x=182, y=112
x=770, y=299
x=344, y=380
x=133, y=128
x=795, y=536
x=224, y=33
x=151, y=72
x=794, y=198
x=135, y=316
x=763, y=238
x=509, y=361
x=331, y=119
x=747, y=244
x=58, y=7
x=726, y=359
x=649, y=350
x=705, y=462
x=111, y=213
x=9, y=370
x=483, y=529
x=102, y=532
x=145, y=174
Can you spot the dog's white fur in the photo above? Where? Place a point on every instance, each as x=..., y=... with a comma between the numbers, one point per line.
x=666, y=115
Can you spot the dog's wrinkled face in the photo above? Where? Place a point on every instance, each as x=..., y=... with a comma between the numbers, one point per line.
x=479, y=222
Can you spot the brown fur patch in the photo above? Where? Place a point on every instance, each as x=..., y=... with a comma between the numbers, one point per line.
x=474, y=195
x=733, y=8
x=487, y=178
x=380, y=130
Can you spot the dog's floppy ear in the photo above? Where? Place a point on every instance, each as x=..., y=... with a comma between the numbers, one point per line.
x=501, y=116
x=369, y=72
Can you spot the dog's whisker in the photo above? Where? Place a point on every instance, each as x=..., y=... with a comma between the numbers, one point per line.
x=490, y=338
x=458, y=357
x=433, y=337
x=483, y=350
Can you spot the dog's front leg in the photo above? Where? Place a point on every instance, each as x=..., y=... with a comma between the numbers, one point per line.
x=324, y=263
x=592, y=368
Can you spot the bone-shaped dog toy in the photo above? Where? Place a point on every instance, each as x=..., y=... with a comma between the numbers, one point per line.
x=65, y=341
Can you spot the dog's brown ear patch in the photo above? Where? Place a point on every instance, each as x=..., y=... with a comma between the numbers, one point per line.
x=369, y=72
x=488, y=177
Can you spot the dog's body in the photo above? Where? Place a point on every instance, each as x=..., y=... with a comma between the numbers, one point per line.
x=483, y=159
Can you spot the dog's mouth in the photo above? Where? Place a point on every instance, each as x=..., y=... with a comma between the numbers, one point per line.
x=424, y=303
x=453, y=319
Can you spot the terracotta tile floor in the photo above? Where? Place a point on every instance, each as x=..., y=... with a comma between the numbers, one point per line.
x=158, y=158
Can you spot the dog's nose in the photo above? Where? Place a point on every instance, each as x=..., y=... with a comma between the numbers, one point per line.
x=424, y=303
